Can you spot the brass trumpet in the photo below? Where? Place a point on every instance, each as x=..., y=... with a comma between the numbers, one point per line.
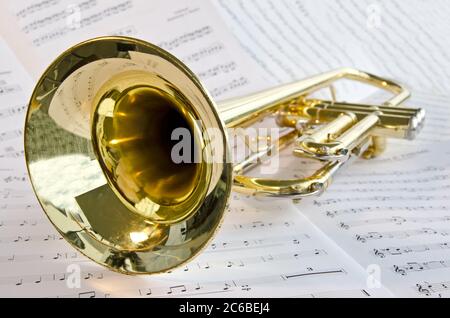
x=98, y=142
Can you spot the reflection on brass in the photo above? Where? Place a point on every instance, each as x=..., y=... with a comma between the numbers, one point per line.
x=108, y=180
x=139, y=136
x=133, y=138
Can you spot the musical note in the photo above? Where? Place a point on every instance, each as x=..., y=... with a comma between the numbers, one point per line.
x=40, y=257
x=202, y=53
x=55, y=277
x=9, y=89
x=428, y=289
x=12, y=111
x=237, y=285
x=145, y=292
x=129, y=30
x=21, y=223
x=246, y=261
x=84, y=22
x=30, y=238
x=385, y=198
x=374, y=209
x=35, y=7
x=394, y=220
x=392, y=251
x=177, y=289
x=186, y=38
x=363, y=238
x=217, y=70
x=260, y=243
x=420, y=266
x=11, y=179
x=56, y=16
x=231, y=86
x=261, y=225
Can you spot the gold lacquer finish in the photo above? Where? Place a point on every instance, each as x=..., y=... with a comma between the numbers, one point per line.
x=106, y=116
x=134, y=119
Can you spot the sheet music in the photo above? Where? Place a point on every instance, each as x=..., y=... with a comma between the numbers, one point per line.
x=38, y=31
x=388, y=235
x=246, y=259
x=407, y=41
x=393, y=217
x=391, y=214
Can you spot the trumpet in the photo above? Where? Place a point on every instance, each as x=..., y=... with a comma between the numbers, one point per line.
x=99, y=142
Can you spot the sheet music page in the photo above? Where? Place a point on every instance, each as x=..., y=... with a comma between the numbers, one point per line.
x=38, y=31
x=290, y=39
x=360, y=239
x=392, y=216
x=284, y=256
x=389, y=214
x=263, y=249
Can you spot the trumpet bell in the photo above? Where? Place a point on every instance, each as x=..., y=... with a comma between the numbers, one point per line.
x=100, y=134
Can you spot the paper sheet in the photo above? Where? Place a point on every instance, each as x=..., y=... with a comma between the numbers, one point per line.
x=251, y=257
x=39, y=31
x=405, y=40
x=392, y=217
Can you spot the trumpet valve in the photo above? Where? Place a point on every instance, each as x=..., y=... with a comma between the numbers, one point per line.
x=337, y=139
